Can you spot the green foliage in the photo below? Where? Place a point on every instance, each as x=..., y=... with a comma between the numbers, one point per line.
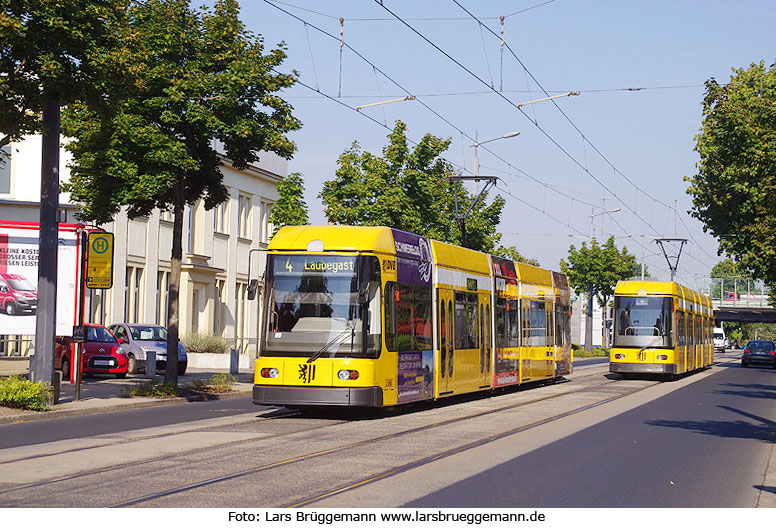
x=205, y=344
x=45, y=52
x=178, y=80
x=219, y=382
x=22, y=393
x=153, y=389
x=290, y=208
x=736, y=180
x=597, y=268
x=512, y=253
x=408, y=190
x=595, y=352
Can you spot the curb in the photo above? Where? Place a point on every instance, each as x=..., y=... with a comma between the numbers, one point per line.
x=32, y=416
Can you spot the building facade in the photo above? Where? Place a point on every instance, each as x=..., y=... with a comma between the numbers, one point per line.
x=218, y=247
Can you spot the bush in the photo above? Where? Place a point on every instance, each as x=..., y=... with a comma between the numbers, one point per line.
x=204, y=343
x=217, y=383
x=22, y=393
x=596, y=352
x=154, y=390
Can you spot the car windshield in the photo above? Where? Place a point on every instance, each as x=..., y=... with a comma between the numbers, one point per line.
x=761, y=345
x=148, y=333
x=328, y=303
x=100, y=335
x=643, y=322
x=21, y=285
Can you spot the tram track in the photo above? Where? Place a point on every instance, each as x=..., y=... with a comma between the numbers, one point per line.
x=402, y=468
x=588, y=382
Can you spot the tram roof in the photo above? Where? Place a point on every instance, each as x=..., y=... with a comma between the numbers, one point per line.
x=651, y=288
x=334, y=238
x=450, y=256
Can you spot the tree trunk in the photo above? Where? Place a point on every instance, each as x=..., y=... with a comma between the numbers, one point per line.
x=173, y=318
x=589, y=322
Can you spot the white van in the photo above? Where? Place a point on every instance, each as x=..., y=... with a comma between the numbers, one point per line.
x=719, y=340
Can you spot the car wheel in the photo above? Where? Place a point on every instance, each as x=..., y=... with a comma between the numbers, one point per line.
x=10, y=308
x=66, y=368
x=121, y=375
x=131, y=364
x=181, y=370
x=744, y=365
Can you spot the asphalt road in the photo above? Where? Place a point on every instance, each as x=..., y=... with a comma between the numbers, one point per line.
x=704, y=445
x=43, y=431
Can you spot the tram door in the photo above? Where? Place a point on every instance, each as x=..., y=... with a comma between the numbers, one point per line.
x=485, y=343
x=446, y=376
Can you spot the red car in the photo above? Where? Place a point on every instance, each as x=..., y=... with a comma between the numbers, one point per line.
x=103, y=354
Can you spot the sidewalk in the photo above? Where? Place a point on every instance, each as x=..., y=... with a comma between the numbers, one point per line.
x=106, y=393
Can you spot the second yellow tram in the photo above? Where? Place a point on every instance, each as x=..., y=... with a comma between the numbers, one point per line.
x=660, y=328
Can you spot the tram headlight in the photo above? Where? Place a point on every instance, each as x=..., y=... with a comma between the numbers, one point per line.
x=662, y=357
x=346, y=375
x=619, y=356
x=270, y=373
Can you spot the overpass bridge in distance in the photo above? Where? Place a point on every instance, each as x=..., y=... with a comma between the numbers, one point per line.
x=752, y=310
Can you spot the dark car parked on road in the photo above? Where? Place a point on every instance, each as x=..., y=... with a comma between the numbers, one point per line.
x=759, y=352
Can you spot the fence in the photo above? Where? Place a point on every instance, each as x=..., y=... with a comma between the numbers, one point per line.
x=734, y=291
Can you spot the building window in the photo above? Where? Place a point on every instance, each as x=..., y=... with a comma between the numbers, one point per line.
x=162, y=290
x=241, y=316
x=243, y=216
x=133, y=296
x=98, y=306
x=166, y=215
x=219, y=308
x=62, y=216
x=220, y=218
x=5, y=170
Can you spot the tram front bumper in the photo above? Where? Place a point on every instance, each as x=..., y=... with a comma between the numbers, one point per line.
x=317, y=396
x=642, y=368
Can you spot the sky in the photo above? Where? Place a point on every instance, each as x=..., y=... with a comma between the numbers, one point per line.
x=625, y=143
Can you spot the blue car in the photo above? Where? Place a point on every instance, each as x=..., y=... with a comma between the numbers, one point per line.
x=138, y=339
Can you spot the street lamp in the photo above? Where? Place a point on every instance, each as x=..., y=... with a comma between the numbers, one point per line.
x=592, y=216
x=477, y=143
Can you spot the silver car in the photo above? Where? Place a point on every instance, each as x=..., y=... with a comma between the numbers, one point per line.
x=137, y=339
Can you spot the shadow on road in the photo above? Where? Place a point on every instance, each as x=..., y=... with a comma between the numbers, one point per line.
x=764, y=430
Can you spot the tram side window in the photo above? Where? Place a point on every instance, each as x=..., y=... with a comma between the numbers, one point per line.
x=407, y=317
x=502, y=320
x=466, y=320
x=514, y=324
x=560, y=323
x=681, y=331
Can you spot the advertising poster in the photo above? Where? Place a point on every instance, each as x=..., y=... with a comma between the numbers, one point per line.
x=416, y=375
x=19, y=281
x=414, y=266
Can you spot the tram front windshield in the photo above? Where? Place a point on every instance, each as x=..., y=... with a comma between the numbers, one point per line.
x=322, y=306
x=643, y=322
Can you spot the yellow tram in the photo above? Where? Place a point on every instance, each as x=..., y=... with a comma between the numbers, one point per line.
x=660, y=328
x=375, y=317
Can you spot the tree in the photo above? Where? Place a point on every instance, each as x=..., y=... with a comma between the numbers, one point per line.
x=733, y=191
x=408, y=190
x=596, y=269
x=512, y=253
x=180, y=81
x=290, y=208
x=45, y=48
